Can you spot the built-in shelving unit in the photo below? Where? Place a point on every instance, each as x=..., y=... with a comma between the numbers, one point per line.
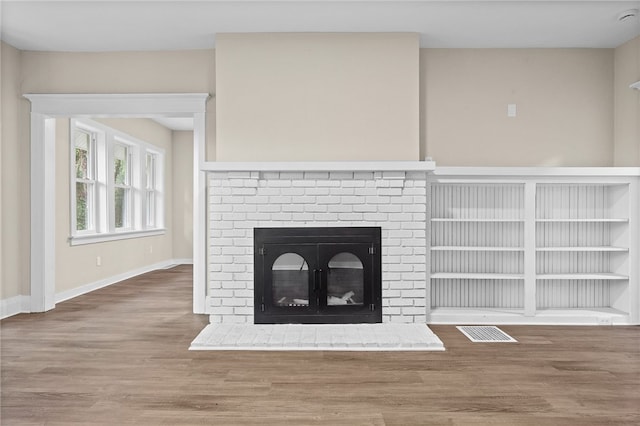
x=540, y=246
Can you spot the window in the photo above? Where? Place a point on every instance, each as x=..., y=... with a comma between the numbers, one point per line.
x=122, y=186
x=117, y=185
x=152, y=189
x=85, y=183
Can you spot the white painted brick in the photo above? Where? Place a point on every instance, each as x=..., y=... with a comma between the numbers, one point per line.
x=363, y=175
x=223, y=294
x=376, y=216
x=303, y=199
x=269, y=208
x=234, y=267
x=341, y=175
x=340, y=208
x=223, y=191
x=389, y=208
x=217, y=175
x=390, y=277
x=281, y=216
x=398, y=301
x=257, y=199
x=406, y=310
x=244, y=260
x=317, y=191
x=350, y=216
x=414, y=208
x=269, y=191
x=231, y=250
x=365, y=191
x=381, y=183
x=328, y=199
x=243, y=191
x=245, y=208
x=420, y=250
x=342, y=191
x=269, y=175
x=315, y=208
x=413, y=276
x=296, y=192
x=398, y=267
x=248, y=294
x=243, y=310
x=232, y=199
x=281, y=183
x=403, y=285
x=400, y=233
x=329, y=183
x=394, y=192
x=396, y=183
x=234, y=285
x=220, y=208
x=316, y=175
x=223, y=310
x=303, y=183
x=251, y=183
x=236, y=183
x=420, y=199
x=221, y=276
x=413, y=294
x=401, y=200
x=234, y=216
x=280, y=199
x=413, y=225
x=246, y=224
x=292, y=175
x=377, y=199
x=244, y=276
x=420, y=217
x=353, y=184
x=325, y=216
x=293, y=208
x=420, y=301
x=364, y=208
x=302, y=217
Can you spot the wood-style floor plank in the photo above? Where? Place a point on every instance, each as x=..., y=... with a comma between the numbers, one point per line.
x=119, y=356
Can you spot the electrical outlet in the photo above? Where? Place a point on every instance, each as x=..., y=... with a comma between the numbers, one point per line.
x=511, y=110
x=150, y=249
x=98, y=261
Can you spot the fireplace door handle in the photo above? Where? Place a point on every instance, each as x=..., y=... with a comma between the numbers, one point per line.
x=317, y=279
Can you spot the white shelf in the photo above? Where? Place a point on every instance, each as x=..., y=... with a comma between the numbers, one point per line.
x=492, y=220
x=475, y=248
x=620, y=220
x=492, y=316
x=582, y=276
x=589, y=249
x=318, y=166
x=475, y=276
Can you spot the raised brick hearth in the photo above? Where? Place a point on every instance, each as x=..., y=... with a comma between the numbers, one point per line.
x=238, y=202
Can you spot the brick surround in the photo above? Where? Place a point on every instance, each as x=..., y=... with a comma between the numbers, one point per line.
x=395, y=201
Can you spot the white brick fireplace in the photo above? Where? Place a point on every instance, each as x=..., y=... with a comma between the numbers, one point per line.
x=391, y=195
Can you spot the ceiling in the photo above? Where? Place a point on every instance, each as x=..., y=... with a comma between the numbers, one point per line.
x=170, y=25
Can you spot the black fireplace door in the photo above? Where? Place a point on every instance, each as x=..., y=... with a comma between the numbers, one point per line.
x=290, y=284
x=346, y=276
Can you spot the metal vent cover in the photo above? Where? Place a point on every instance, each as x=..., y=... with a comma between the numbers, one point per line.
x=485, y=333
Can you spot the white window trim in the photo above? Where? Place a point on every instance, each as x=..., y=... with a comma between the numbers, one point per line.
x=44, y=109
x=104, y=214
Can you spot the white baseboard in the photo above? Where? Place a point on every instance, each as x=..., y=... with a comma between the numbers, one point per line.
x=14, y=305
x=22, y=304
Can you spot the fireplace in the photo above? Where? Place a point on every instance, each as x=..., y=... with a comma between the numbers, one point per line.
x=317, y=275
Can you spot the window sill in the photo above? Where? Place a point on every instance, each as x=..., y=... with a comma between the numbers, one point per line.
x=78, y=240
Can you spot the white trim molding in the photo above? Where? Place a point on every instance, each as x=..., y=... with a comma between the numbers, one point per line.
x=44, y=109
x=320, y=166
x=14, y=305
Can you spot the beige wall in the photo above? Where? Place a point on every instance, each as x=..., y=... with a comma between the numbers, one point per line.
x=627, y=104
x=124, y=72
x=317, y=96
x=14, y=254
x=183, y=195
x=76, y=265
x=564, y=107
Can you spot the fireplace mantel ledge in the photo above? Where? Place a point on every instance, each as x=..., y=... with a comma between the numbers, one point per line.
x=319, y=166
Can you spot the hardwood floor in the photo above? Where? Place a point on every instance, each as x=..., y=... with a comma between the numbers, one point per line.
x=119, y=356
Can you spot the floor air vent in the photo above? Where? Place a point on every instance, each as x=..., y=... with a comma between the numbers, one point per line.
x=485, y=333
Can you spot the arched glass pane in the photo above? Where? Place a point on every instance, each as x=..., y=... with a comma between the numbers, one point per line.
x=290, y=285
x=345, y=280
